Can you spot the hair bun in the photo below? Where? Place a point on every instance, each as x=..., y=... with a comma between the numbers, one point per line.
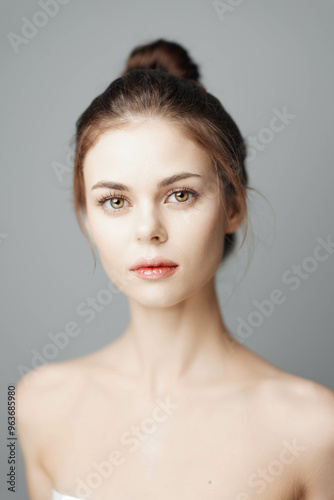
x=163, y=55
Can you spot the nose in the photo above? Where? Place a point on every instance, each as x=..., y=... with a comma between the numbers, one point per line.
x=149, y=226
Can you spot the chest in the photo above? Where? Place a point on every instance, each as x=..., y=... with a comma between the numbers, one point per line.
x=170, y=449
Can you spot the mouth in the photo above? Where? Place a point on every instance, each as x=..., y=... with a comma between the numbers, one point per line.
x=155, y=271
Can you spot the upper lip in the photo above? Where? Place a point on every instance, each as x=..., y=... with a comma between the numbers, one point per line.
x=154, y=262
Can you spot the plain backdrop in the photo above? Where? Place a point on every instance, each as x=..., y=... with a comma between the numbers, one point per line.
x=261, y=58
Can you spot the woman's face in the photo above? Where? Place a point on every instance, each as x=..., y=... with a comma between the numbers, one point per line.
x=149, y=214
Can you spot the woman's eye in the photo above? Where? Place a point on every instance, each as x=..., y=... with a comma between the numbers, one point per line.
x=181, y=195
x=116, y=202
x=112, y=204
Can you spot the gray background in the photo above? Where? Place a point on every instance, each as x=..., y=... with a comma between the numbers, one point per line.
x=260, y=56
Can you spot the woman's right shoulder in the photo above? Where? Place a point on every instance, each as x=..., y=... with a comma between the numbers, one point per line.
x=43, y=399
x=47, y=391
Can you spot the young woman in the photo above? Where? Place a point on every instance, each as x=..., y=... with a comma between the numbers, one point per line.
x=175, y=408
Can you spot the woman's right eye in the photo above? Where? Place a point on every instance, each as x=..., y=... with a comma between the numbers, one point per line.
x=116, y=202
x=111, y=203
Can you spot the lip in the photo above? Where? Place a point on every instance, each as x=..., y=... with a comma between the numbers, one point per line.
x=155, y=268
x=153, y=262
x=154, y=273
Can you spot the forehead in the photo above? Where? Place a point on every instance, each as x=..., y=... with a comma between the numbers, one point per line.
x=149, y=148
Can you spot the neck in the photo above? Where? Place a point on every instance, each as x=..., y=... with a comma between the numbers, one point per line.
x=187, y=342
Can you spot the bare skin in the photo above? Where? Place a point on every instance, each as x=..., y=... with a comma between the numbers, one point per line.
x=174, y=408
x=256, y=434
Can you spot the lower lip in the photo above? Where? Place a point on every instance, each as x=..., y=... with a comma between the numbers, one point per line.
x=154, y=273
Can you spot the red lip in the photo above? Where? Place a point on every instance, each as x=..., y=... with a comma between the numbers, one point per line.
x=153, y=262
x=155, y=273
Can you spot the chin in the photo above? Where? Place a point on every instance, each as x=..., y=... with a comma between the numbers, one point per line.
x=163, y=294
x=157, y=297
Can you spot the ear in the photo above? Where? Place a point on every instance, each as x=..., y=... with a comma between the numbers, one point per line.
x=234, y=218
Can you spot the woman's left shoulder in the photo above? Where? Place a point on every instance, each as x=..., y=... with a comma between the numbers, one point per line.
x=306, y=412
x=304, y=406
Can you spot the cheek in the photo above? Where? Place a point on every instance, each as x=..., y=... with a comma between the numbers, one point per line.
x=203, y=237
x=107, y=231
x=112, y=246
x=109, y=237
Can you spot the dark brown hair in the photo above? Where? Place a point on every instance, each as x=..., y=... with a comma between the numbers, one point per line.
x=161, y=80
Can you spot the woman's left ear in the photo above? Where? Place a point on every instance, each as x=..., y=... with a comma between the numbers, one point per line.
x=235, y=218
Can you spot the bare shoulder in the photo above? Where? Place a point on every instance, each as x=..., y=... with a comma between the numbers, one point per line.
x=286, y=395
x=312, y=428
x=49, y=392
x=46, y=393
x=308, y=404
x=314, y=408
x=301, y=413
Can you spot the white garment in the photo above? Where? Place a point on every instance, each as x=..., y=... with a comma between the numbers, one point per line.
x=60, y=496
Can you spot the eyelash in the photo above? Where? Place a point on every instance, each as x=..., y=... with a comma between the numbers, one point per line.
x=100, y=201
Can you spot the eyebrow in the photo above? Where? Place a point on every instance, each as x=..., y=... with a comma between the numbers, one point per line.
x=163, y=183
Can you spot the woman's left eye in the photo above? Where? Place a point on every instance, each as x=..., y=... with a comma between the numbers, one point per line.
x=183, y=195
